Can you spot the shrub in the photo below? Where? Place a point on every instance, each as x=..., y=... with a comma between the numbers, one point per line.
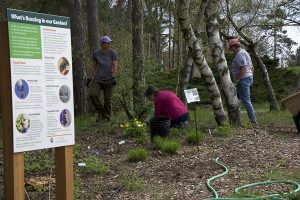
x=137, y=154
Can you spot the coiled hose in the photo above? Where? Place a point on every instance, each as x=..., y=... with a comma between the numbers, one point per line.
x=237, y=190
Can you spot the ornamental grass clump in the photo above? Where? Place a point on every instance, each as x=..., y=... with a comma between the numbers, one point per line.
x=137, y=155
x=195, y=138
x=166, y=145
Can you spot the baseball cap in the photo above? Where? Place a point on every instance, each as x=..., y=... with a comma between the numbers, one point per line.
x=105, y=39
x=233, y=42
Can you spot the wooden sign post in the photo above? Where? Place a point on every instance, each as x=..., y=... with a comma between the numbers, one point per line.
x=60, y=135
x=13, y=164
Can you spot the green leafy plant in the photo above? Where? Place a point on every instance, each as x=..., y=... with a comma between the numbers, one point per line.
x=137, y=154
x=195, y=138
x=38, y=162
x=94, y=165
x=136, y=129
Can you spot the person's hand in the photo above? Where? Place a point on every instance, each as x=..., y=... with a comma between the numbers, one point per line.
x=113, y=81
x=88, y=82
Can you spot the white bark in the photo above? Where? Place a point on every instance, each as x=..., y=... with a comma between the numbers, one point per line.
x=218, y=55
x=200, y=61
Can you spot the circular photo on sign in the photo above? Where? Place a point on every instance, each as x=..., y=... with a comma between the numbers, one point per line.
x=63, y=66
x=23, y=123
x=21, y=89
x=65, y=118
x=64, y=93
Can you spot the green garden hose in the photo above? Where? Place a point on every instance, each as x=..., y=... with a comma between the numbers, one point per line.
x=237, y=190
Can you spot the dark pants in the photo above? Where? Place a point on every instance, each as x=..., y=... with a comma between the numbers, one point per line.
x=104, y=110
x=178, y=122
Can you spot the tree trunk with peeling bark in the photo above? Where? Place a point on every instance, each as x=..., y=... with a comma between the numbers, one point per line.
x=185, y=74
x=218, y=55
x=199, y=59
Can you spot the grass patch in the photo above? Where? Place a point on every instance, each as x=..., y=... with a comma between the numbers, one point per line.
x=94, y=165
x=195, y=138
x=137, y=155
x=224, y=131
x=134, y=185
x=275, y=118
x=84, y=122
x=166, y=145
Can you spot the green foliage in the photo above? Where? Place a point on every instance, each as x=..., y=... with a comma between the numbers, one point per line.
x=293, y=196
x=84, y=121
x=224, y=131
x=137, y=155
x=166, y=145
x=136, y=129
x=77, y=189
x=195, y=138
x=76, y=151
x=38, y=162
x=94, y=165
x=134, y=185
x=275, y=118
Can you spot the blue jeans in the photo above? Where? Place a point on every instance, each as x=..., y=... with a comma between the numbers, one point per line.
x=178, y=122
x=243, y=93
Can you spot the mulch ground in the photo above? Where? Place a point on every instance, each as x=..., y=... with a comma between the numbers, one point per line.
x=250, y=155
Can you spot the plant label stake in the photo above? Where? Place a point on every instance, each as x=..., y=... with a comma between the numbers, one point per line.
x=191, y=96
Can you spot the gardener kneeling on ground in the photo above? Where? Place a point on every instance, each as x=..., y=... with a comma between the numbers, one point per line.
x=167, y=104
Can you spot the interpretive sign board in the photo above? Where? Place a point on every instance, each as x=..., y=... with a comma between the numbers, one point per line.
x=41, y=80
x=192, y=95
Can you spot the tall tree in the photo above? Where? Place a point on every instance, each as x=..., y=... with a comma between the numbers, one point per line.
x=218, y=55
x=199, y=59
x=93, y=24
x=75, y=13
x=138, y=58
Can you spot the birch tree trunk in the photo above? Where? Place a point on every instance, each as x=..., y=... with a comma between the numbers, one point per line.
x=138, y=49
x=93, y=24
x=185, y=74
x=75, y=13
x=252, y=46
x=217, y=52
x=199, y=59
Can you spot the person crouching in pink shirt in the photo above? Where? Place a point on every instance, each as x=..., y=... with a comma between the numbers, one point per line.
x=167, y=104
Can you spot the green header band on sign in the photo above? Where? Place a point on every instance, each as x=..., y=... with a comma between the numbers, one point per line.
x=37, y=18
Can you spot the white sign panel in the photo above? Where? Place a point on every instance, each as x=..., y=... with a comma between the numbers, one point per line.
x=41, y=80
x=192, y=95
